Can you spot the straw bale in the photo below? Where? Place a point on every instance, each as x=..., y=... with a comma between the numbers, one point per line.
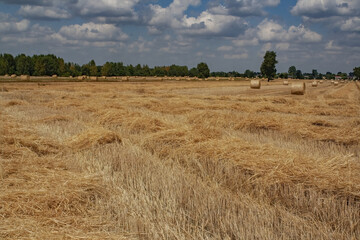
x=321, y=81
x=286, y=82
x=103, y=77
x=298, y=88
x=336, y=83
x=25, y=77
x=255, y=84
x=6, y=75
x=93, y=78
x=13, y=76
x=314, y=84
x=82, y=77
x=54, y=76
x=93, y=137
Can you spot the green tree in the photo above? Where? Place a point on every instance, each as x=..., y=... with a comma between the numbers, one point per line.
x=7, y=64
x=203, y=70
x=93, y=68
x=299, y=74
x=357, y=72
x=24, y=65
x=292, y=71
x=314, y=73
x=193, y=72
x=249, y=74
x=268, y=65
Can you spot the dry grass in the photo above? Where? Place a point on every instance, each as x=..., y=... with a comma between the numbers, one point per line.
x=179, y=160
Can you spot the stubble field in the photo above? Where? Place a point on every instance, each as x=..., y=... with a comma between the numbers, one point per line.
x=179, y=160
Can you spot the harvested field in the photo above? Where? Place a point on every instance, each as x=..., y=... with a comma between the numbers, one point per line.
x=179, y=160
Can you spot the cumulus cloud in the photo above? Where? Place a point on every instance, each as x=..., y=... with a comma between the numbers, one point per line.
x=11, y=25
x=269, y=30
x=109, y=8
x=170, y=16
x=351, y=25
x=212, y=24
x=236, y=56
x=331, y=46
x=326, y=8
x=249, y=7
x=93, y=32
x=206, y=24
x=225, y=48
x=42, y=12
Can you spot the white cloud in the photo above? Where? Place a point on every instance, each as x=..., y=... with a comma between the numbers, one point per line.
x=326, y=8
x=246, y=42
x=212, y=24
x=171, y=15
x=225, y=48
x=331, y=46
x=38, y=12
x=11, y=25
x=93, y=32
x=282, y=46
x=351, y=25
x=109, y=8
x=244, y=8
x=268, y=30
x=236, y=56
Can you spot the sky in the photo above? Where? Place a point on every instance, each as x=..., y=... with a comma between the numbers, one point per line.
x=226, y=34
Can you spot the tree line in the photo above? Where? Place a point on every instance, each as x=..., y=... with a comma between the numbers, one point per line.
x=48, y=65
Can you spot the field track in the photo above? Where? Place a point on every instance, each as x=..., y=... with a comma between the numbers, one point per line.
x=179, y=160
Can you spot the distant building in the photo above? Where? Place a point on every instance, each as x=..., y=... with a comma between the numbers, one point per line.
x=337, y=77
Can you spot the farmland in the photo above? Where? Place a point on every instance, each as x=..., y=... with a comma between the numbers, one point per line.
x=179, y=160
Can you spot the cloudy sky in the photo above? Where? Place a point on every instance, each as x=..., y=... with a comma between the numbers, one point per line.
x=226, y=34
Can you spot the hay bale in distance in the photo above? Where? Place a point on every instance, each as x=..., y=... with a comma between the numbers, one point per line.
x=336, y=83
x=314, y=84
x=83, y=77
x=321, y=81
x=93, y=78
x=54, y=76
x=25, y=77
x=298, y=88
x=13, y=76
x=286, y=82
x=255, y=84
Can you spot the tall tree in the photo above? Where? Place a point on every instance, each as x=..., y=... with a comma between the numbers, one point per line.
x=314, y=73
x=93, y=68
x=357, y=72
x=203, y=70
x=292, y=71
x=268, y=65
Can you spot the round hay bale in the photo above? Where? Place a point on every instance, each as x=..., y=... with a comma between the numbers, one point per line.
x=321, y=81
x=6, y=75
x=255, y=84
x=25, y=77
x=314, y=84
x=103, y=77
x=54, y=76
x=298, y=88
x=81, y=78
x=336, y=83
x=332, y=81
x=71, y=77
x=13, y=76
x=93, y=78
x=286, y=82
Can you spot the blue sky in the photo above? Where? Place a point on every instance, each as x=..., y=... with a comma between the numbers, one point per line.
x=226, y=34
